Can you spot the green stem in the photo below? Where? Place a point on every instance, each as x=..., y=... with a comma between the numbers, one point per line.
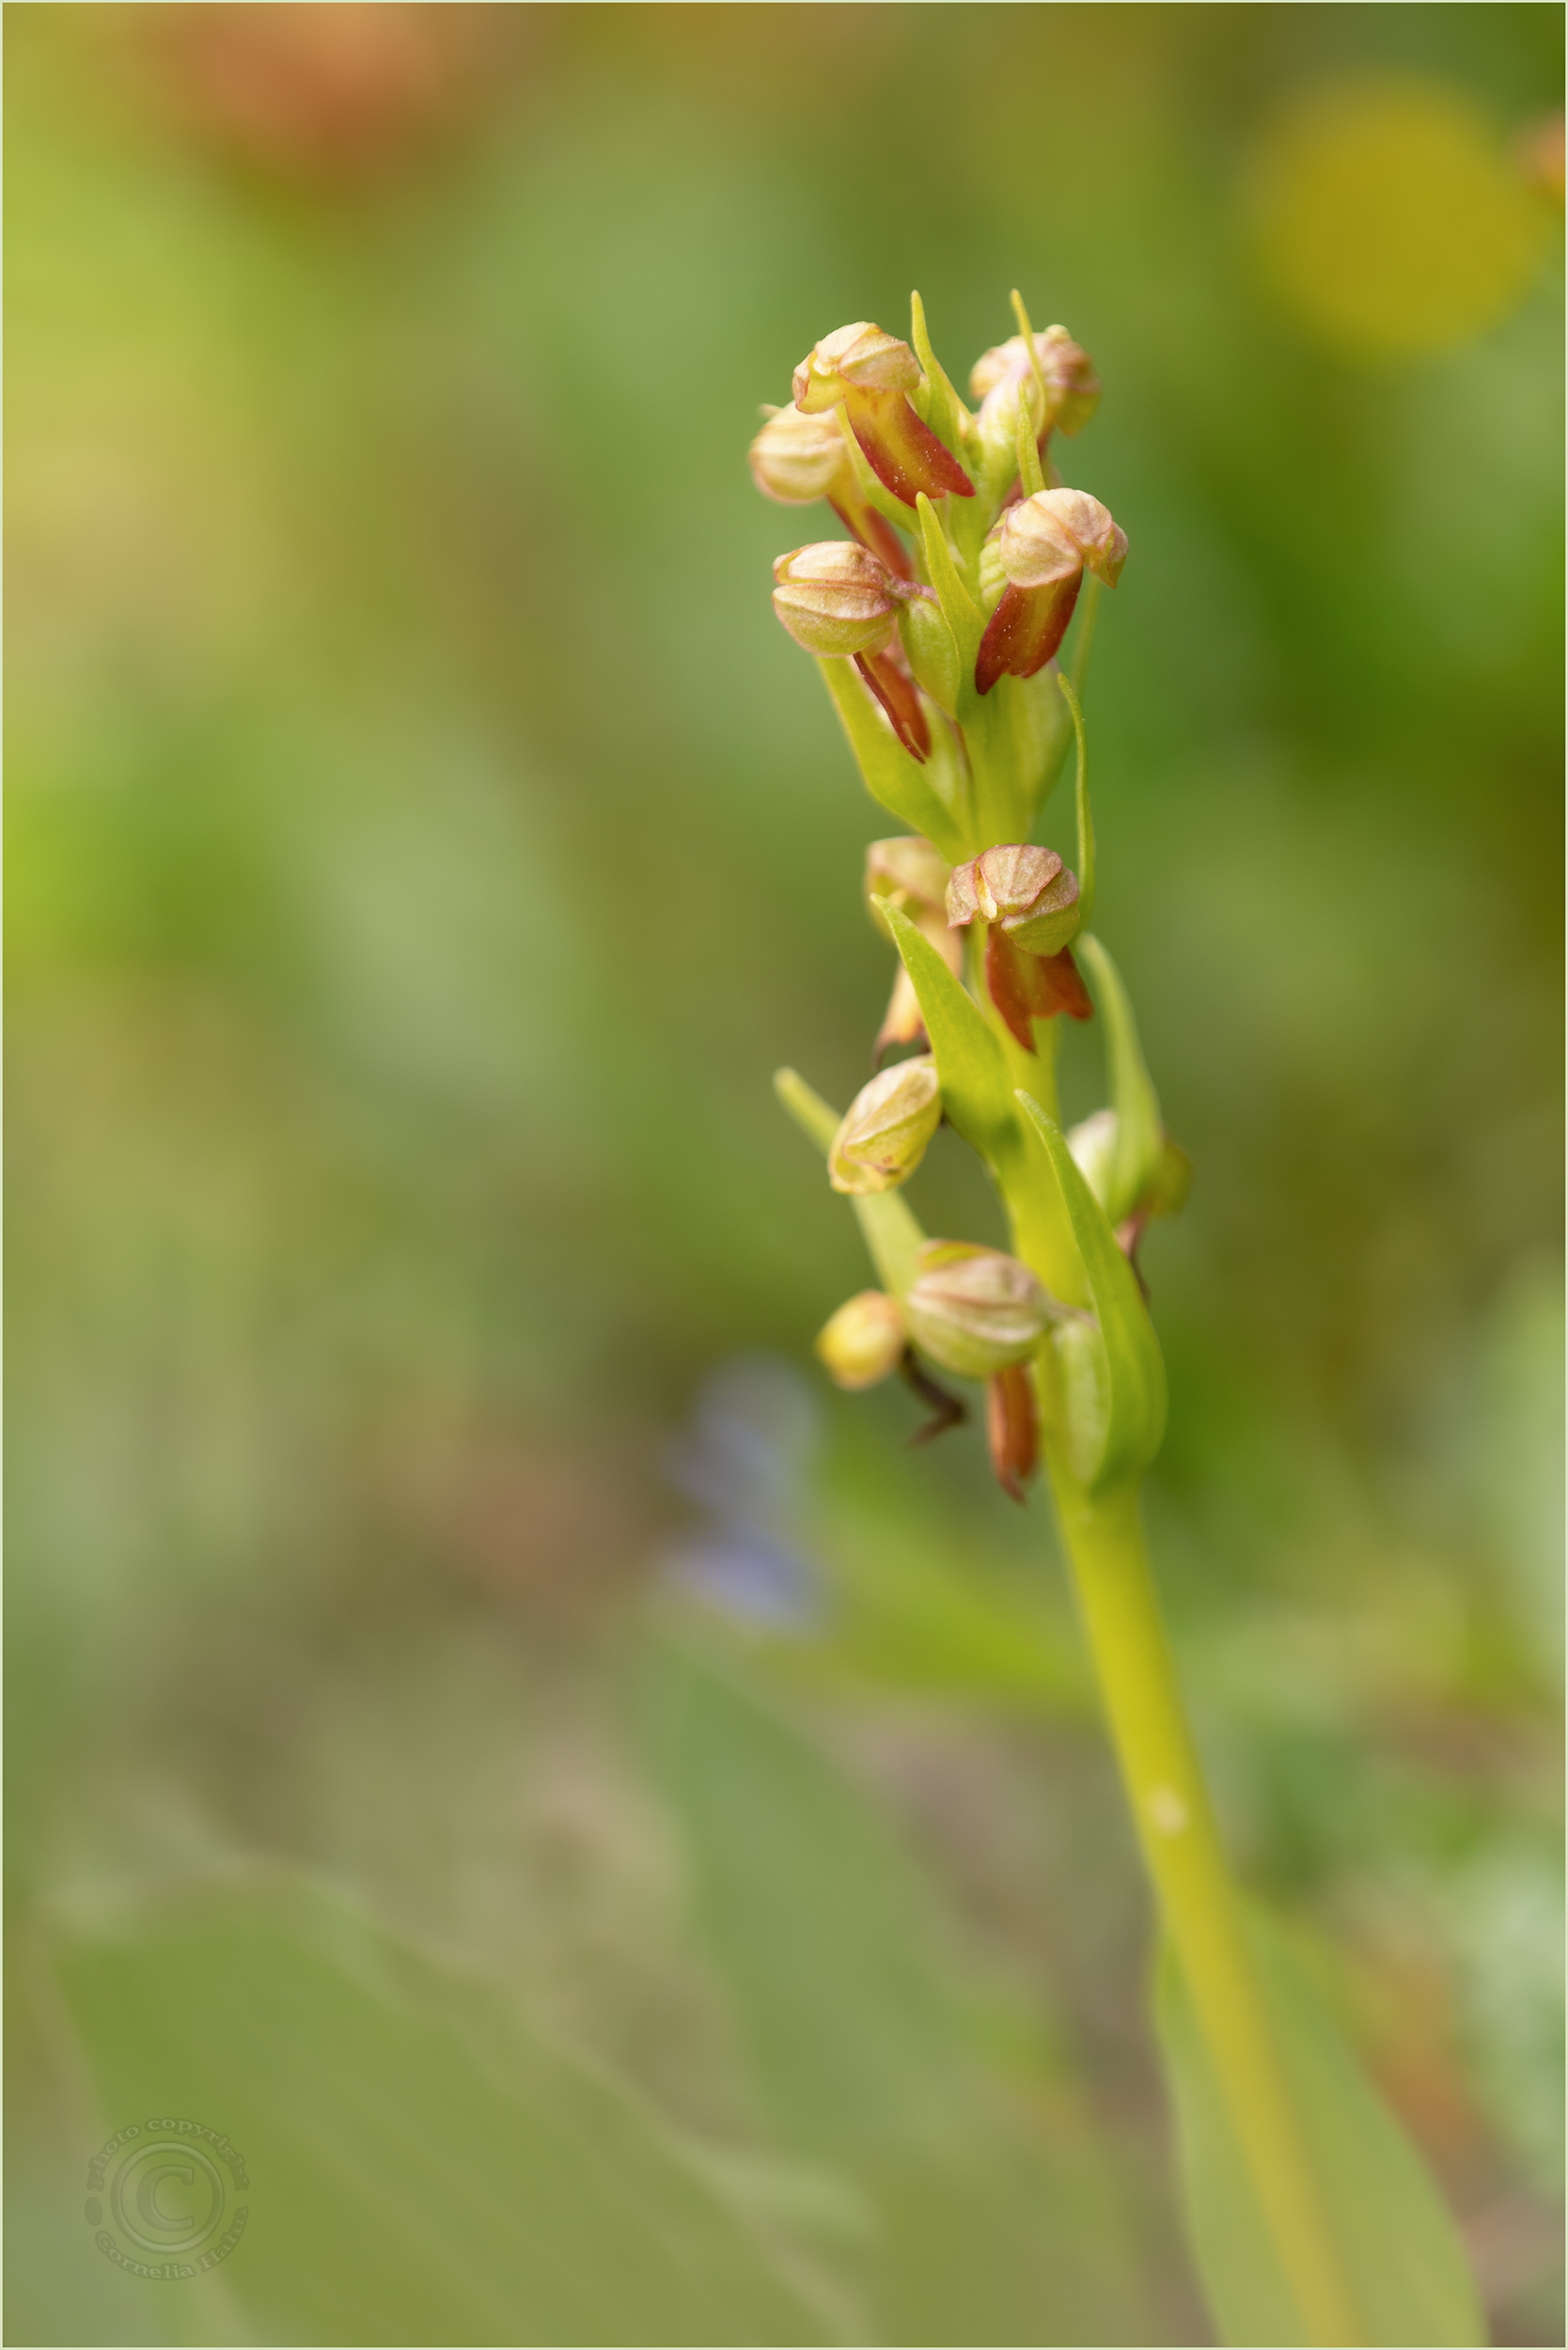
x=1196, y=1897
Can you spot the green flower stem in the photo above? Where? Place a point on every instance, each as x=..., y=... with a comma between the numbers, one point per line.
x=1197, y=1899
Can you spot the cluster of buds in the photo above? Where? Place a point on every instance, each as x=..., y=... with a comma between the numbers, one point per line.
x=937, y=621
x=975, y=1313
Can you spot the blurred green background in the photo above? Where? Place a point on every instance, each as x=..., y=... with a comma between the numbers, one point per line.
x=623, y=1846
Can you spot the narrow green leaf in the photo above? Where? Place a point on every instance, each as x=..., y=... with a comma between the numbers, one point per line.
x=1086, y=819
x=1031, y=478
x=1135, y=1420
x=977, y=1092
x=1396, y=2245
x=890, y=775
x=892, y=1233
x=1140, y=1130
x=421, y=2168
x=959, y=608
x=944, y=412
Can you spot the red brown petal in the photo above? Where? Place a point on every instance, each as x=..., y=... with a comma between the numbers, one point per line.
x=904, y=454
x=1058, y=987
x=902, y=1022
x=898, y=695
x=1026, y=987
x=1025, y=629
x=1012, y=1427
x=1011, y=984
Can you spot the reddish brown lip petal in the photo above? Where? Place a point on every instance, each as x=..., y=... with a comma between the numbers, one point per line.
x=904, y=454
x=897, y=697
x=1025, y=631
x=1026, y=987
x=1010, y=984
x=1058, y=987
x=1011, y=1428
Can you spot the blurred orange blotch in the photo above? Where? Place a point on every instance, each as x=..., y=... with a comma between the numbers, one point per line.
x=317, y=90
x=1390, y=218
x=1539, y=152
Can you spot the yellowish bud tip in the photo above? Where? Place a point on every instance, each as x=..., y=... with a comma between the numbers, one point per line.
x=863, y=1342
x=858, y=358
x=836, y=599
x=884, y=1132
x=1045, y=539
x=798, y=459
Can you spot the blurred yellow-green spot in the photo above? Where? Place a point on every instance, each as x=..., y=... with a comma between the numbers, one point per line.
x=1390, y=219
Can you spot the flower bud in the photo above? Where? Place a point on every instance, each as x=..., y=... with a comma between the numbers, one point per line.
x=858, y=358
x=1044, y=539
x=835, y=598
x=1093, y=1146
x=1071, y=386
x=883, y=1134
x=798, y=459
x=975, y=1310
x=906, y=872
x=1027, y=890
x=871, y=374
x=863, y=1341
x=1044, y=544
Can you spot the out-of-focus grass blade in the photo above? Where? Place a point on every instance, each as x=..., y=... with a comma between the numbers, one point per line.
x=1397, y=2243
x=871, y=2032
x=421, y=2170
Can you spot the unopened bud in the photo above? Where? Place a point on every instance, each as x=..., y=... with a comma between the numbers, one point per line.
x=835, y=598
x=1027, y=890
x=1071, y=386
x=857, y=358
x=884, y=1135
x=1044, y=544
x=1092, y=1144
x=871, y=374
x=975, y=1310
x=908, y=873
x=1046, y=537
x=863, y=1342
x=798, y=459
